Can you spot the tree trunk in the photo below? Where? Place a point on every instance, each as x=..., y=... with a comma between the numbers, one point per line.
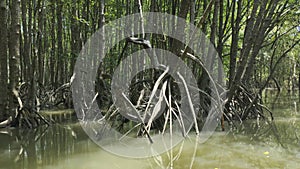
x=235, y=25
x=101, y=25
x=75, y=37
x=53, y=49
x=246, y=49
x=262, y=23
x=41, y=50
x=60, y=53
x=14, y=51
x=177, y=46
x=3, y=59
x=299, y=81
x=210, y=57
x=26, y=42
x=192, y=11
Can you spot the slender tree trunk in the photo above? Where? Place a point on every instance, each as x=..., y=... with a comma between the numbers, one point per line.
x=25, y=43
x=246, y=49
x=211, y=54
x=235, y=25
x=60, y=53
x=299, y=80
x=220, y=39
x=263, y=22
x=84, y=14
x=101, y=24
x=14, y=51
x=30, y=38
x=3, y=58
x=177, y=46
x=46, y=47
x=53, y=49
x=75, y=35
x=192, y=11
x=41, y=51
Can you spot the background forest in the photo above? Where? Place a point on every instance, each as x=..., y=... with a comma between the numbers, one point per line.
x=257, y=41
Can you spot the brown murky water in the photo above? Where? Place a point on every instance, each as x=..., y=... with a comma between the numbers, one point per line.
x=251, y=146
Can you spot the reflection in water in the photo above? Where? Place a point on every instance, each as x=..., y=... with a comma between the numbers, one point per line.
x=41, y=146
x=57, y=147
x=251, y=145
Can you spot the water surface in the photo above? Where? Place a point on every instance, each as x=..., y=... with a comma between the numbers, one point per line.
x=251, y=145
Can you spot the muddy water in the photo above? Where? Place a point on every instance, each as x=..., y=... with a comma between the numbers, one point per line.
x=252, y=145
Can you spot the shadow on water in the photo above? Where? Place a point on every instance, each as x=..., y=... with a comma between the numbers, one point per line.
x=254, y=144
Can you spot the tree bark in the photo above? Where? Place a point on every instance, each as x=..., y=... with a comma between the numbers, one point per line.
x=3, y=58
x=192, y=11
x=246, y=49
x=53, y=49
x=210, y=55
x=263, y=22
x=75, y=37
x=26, y=42
x=14, y=51
x=177, y=46
x=235, y=25
x=41, y=51
x=60, y=52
